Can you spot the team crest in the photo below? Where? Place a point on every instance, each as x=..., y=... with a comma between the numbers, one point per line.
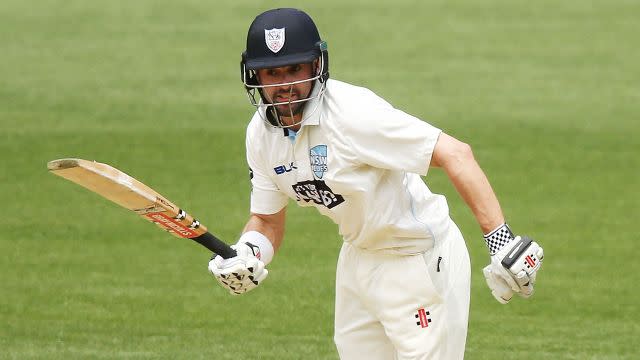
x=274, y=39
x=318, y=157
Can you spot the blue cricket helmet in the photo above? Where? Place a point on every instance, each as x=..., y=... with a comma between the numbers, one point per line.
x=281, y=37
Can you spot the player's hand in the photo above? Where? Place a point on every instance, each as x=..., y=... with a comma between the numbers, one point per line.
x=514, y=268
x=500, y=285
x=241, y=273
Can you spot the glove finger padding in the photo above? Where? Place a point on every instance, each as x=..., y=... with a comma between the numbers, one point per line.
x=505, y=275
x=256, y=269
x=238, y=274
x=239, y=279
x=225, y=270
x=526, y=266
x=526, y=284
x=249, y=283
x=259, y=272
x=526, y=291
x=500, y=290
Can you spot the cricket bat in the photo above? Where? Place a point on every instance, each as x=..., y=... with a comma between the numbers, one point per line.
x=132, y=194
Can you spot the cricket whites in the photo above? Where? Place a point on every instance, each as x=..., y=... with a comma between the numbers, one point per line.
x=132, y=194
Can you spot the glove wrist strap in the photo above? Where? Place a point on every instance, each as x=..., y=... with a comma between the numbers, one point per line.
x=254, y=239
x=498, y=238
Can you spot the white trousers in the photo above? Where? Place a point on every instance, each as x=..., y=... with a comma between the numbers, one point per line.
x=391, y=306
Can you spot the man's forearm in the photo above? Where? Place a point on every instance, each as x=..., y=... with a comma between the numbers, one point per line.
x=271, y=226
x=474, y=188
x=456, y=158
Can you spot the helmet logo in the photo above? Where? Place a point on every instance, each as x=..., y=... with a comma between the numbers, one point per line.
x=274, y=39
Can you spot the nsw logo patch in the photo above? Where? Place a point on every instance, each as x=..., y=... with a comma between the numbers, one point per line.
x=318, y=157
x=274, y=39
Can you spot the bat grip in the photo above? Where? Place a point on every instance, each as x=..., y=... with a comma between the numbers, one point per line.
x=216, y=245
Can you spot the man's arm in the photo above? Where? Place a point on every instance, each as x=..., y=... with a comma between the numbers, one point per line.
x=271, y=226
x=261, y=238
x=457, y=160
x=514, y=260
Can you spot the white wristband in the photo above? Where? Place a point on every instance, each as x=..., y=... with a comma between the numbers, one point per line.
x=261, y=241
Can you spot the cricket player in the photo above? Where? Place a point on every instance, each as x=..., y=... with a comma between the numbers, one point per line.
x=403, y=274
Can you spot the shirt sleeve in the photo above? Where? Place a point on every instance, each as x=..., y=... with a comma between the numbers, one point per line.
x=266, y=197
x=388, y=138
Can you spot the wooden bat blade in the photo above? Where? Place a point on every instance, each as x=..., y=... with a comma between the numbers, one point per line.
x=106, y=181
x=132, y=194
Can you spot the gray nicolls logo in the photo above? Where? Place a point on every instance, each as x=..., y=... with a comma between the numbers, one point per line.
x=274, y=39
x=423, y=319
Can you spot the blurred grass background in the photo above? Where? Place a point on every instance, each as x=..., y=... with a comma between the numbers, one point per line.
x=546, y=92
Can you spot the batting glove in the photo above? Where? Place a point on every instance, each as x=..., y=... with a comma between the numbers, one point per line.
x=241, y=273
x=515, y=262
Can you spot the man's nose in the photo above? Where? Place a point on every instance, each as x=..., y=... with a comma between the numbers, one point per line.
x=283, y=88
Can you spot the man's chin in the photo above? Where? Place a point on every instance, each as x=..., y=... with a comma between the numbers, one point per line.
x=286, y=110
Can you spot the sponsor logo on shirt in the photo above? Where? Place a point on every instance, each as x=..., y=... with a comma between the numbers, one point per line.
x=318, y=192
x=423, y=318
x=318, y=157
x=284, y=168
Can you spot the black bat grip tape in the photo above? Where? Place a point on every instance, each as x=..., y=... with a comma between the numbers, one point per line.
x=216, y=245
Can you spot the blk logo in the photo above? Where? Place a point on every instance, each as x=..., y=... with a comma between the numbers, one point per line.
x=284, y=169
x=423, y=317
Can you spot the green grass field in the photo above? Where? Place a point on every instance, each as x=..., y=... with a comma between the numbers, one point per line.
x=547, y=93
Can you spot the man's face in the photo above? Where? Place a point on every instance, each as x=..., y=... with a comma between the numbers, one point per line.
x=287, y=93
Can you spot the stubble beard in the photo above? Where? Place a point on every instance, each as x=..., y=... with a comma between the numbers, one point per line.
x=287, y=109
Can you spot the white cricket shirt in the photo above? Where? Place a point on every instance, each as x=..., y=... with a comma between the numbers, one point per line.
x=358, y=161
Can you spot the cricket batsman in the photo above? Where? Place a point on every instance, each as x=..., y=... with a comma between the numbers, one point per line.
x=403, y=274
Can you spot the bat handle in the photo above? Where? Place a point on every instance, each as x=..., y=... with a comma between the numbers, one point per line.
x=216, y=245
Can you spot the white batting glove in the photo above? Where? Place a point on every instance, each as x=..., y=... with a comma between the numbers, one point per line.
x=515, y=262
x=241, y=273
x=500, y=287
x=245, y=271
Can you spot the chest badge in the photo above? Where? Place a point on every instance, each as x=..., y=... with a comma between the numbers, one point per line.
x=318, y=157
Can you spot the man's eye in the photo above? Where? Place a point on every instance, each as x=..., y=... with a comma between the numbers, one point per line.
x=272, y=73
x=296, y=68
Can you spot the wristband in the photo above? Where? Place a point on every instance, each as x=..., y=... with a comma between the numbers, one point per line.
x=255, y=239
x=498, y=238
